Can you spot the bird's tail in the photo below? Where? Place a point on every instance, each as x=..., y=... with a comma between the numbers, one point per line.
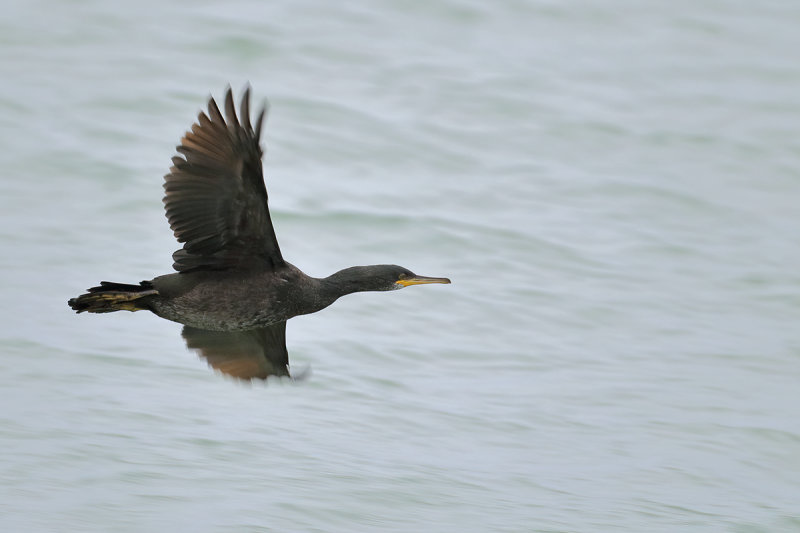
x=109, y=297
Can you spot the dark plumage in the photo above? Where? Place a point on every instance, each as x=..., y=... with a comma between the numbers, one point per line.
x=233, y=290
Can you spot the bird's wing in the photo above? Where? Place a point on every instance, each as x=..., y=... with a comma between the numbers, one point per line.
x=216, y=201
x=246, y=355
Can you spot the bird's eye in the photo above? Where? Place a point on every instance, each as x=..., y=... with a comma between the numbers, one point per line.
x=402, y=276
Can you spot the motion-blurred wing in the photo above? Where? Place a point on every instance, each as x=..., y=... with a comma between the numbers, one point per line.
x=257, y=353
x=216, y=201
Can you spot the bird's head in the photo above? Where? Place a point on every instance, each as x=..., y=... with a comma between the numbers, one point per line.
x=379, y=278
x=402, y=277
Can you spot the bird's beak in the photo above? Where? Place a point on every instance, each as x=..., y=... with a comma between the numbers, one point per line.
x=420, y=280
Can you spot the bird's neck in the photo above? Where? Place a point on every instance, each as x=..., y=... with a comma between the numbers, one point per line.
x=346, y=281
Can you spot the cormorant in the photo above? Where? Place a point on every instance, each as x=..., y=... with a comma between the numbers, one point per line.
x=233, y=291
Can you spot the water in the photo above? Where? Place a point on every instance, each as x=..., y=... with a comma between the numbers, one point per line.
x=611, y=187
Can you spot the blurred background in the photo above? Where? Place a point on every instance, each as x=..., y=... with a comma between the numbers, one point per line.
x=612, y=187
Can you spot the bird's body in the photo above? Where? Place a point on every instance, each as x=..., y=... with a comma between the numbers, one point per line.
x=233, y=290
x=240, y=299
x=252, y=298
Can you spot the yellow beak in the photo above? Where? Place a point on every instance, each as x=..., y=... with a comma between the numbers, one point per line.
x=420, y=280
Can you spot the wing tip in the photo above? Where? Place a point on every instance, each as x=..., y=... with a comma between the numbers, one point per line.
x=230, y=109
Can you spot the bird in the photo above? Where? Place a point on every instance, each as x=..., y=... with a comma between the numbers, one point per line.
x=232, y=289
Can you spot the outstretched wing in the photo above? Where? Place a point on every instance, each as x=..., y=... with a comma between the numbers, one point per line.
x=216, y=201
x=257, y=353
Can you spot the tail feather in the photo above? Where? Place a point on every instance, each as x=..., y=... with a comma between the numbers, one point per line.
x=109, y=297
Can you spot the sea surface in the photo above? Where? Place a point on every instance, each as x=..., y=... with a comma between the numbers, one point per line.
x=613, y=188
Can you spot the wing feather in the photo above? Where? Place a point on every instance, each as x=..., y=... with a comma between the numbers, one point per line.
x=246, y=355
x=216, y=200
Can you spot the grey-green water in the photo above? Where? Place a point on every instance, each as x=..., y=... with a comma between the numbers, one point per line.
x=612, y=187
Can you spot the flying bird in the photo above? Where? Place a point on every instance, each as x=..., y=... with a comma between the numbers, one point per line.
x=232, y=288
